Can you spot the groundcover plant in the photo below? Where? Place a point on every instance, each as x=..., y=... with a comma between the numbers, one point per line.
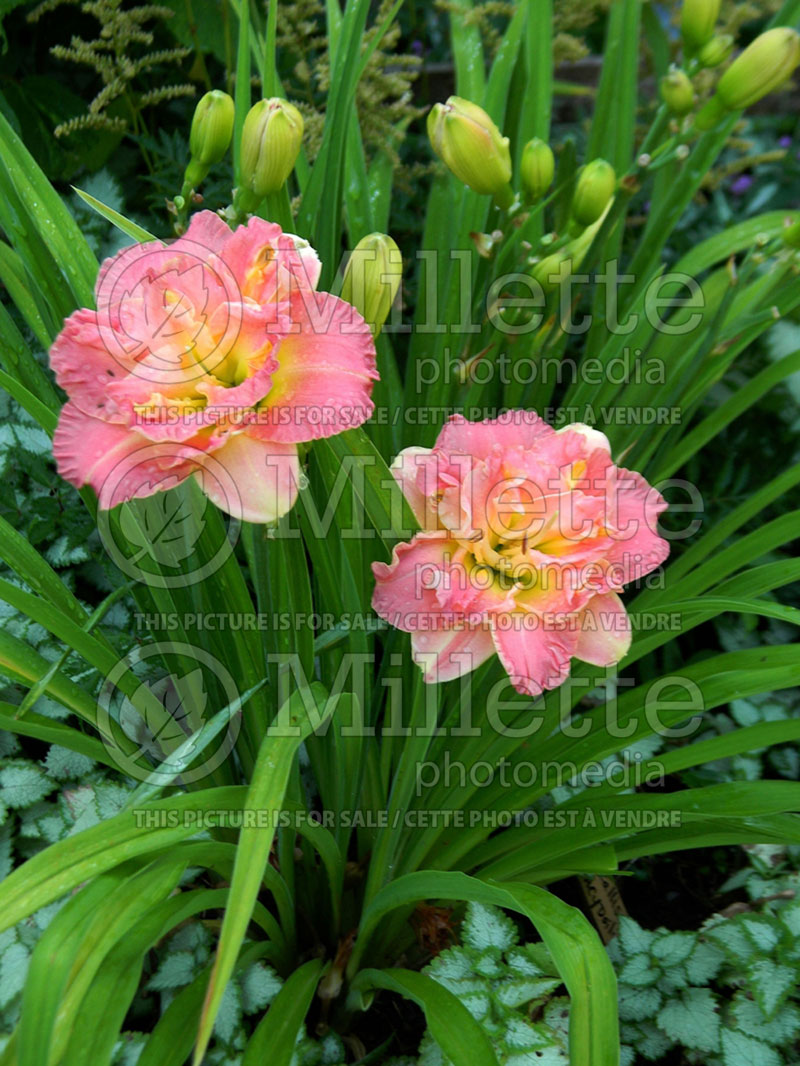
x=415, y=584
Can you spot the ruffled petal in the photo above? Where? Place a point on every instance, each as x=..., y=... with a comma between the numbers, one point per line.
x=85, y=368
x=480, y=439
x=635, y=546
x=405, y=592
x=119, y=464
x=272, y=266
x=157, y=301
x=116, y=266
x=207, y=229
x=535, y=656
x=325, y=372
x=592, y=438
x=433, y=583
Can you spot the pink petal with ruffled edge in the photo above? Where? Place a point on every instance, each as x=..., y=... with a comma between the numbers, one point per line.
x=431, y=584
x=84, y=367
x=511, y=429
x=118, y=464
x=534, y=656
x=272, y=266
x=266, y=476
x=112, y=269
x=208, y=229
x=325, y=372
x=633, y=507
x=130, y=289
x=592, y=438
x=311, y=265
x=604, y=631
x=405, y=593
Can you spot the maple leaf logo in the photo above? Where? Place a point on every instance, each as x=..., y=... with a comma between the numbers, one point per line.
x=165, y=528
x=184, y=699
x=161, y=309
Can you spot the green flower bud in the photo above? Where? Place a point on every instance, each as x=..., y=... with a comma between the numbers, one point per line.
x=271, y=139
x=791, y=234
x=677, y=92
x=210, y=135
x=594, y=189
x=548, y=271
x=698, y=19
x=212, y=128
x=764, y=65
x=716, y=50
x=537, y=168
x=372, y=277
x=469, y=143
x=555, y=268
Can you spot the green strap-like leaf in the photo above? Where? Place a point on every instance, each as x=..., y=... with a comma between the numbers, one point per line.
x=266, y=793
x=615, y=107
x=56, y=870
x=382, y=499
x=47, y=218
x=52, y=732
x=276, y=1035
x=460, y=1037
x=171, y=1041
x=72, y=949
x=576, y=949
x=129, y=228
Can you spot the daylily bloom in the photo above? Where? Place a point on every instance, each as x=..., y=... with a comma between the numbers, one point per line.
x=527, y=536
x=211, y=357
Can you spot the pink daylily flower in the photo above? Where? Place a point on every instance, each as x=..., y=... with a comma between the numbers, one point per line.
x=528, y=534
x=212, y=357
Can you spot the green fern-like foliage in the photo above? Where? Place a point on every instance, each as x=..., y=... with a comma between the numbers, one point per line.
x=121, y=54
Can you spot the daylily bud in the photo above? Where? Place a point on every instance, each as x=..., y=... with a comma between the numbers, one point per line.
x=716, y=50
x=677, y=92
x=466, y=139
x=548, y=271
x=537, y=168
x=791, y=234
x=594, y=189
x=372, y=277
x=210, y=135
x=554, y=269
x=271, y=139
x=764, y=65
x=698, y=19
x=212, y=128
